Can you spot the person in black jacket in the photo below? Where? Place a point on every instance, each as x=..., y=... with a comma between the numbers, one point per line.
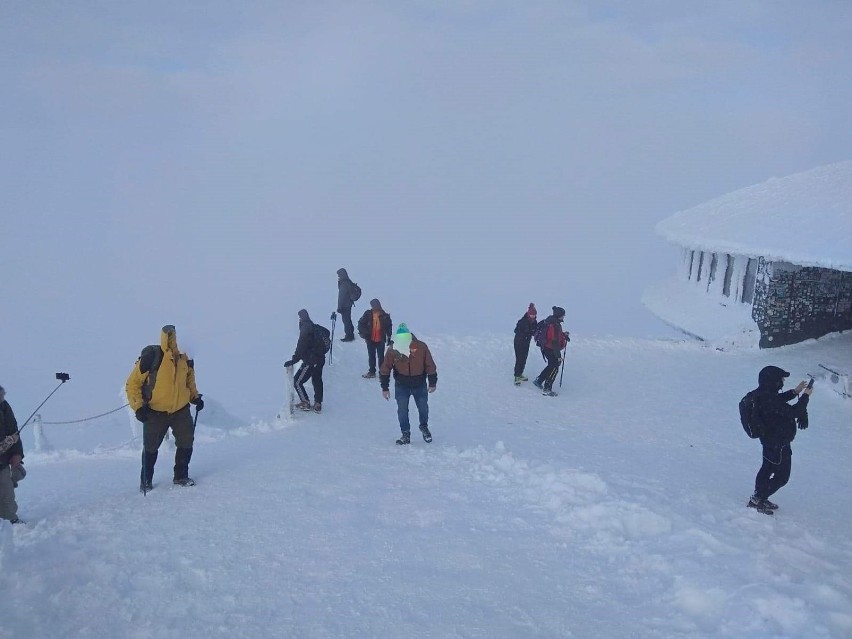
x=778, y=426
x=524, y=330
x=11, y=457
x=344, y=304
x=376, y=328
x=312, y=356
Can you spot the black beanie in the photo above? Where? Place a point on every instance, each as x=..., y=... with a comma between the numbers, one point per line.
x=558, y=312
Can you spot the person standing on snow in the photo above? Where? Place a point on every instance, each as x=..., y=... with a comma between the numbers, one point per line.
x=344, y=304
x=376, y=327
x=11, y=461
x=160, y=392
x=778, y=429
x=524, y=330
x=312, y=356
x=412, y=366
x=553, y=341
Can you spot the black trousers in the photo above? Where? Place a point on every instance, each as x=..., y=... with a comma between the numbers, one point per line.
x=548, y=375
x=522, y=351
x=346, y=316
x=775, y=471
x=375, y=351
x=307, y=372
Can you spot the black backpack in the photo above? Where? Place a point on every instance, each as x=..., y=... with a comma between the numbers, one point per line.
x=749, y=415
x=540, y=334
x=354, y=292
x=149, y=362
x=322, y=339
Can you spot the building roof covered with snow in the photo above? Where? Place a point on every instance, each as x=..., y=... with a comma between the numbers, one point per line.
x=803, y=219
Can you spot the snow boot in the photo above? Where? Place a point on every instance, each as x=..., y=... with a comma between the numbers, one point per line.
x=303, y=406
x=405, y=439
x=759, y=505
x=317, y=407
x=369, y=375
x=427, y=436
x=518, y=380
x=17, y=521
x=771, y=505
x=537, y=383
x=182, y=457
x=547, y=392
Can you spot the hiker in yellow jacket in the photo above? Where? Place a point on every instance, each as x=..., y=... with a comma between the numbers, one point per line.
x=160, y=389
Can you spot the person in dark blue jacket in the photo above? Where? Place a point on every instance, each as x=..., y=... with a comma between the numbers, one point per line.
x=312, y=356
x=524, y=330
x=778, y=426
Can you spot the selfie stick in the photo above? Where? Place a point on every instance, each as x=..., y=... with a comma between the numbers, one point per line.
x=63, y=377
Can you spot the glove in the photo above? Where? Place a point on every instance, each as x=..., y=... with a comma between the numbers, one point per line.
x=197, y=402
x=289, y=363
x=143, y=413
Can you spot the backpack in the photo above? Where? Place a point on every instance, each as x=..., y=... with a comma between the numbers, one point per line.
x=355, y=292
x=322, y=339
x=749, y=417
x=149, y=362
x=540, y=334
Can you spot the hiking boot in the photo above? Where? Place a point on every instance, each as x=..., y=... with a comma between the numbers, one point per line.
x=523, y=378
x=405, y=439
x=771, y=505
x=369, y=375
x=145, y=486
x=518, y=380
x=348, y=338
x=759, y=505
x=547, y=392
x=302, y=406
x=427, y=436
x=17, y=521
x=183, y=481
x=317, y=407
x=537, y=383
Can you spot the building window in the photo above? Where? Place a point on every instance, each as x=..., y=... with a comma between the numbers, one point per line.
x=748, y=281
x=714, y=260
x=700, y=265
x=691, y=264
x=729, y=272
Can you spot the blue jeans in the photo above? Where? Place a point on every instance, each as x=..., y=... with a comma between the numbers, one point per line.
x=421, y=399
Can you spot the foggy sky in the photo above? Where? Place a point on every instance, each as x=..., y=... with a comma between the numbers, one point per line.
x=212, y=164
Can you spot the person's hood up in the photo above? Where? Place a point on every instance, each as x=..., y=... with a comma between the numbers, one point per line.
x=771, y=378
x=342, y=274
x=168, y=339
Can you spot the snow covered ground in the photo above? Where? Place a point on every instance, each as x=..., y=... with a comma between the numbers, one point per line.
x=615, y=510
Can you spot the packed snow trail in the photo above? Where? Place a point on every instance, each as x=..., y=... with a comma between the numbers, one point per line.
x=614, y=510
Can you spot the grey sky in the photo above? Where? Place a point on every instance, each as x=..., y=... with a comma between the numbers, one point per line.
x=211, y=164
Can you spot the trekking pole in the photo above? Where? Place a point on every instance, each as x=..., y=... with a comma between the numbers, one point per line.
x=563, y=365
x=333, y=319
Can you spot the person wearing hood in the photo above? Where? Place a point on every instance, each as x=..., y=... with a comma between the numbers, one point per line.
x=524, y=330
x=415, y=375
x=778, y=429
x=160, y=392
x=345, y=303
x=552, y=344
x=312, y=355
x=11, y=461
x=376, y=328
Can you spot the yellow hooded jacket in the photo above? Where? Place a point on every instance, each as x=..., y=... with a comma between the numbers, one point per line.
x=175, y=379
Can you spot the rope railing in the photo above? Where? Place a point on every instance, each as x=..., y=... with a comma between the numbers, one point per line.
x=86, y=419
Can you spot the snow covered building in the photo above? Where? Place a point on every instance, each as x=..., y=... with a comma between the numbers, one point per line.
x=770, y=263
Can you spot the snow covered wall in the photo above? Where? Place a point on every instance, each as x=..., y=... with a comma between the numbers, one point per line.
x=773, y=259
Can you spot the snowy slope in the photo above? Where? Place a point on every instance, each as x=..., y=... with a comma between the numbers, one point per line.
x=805, y=219
x=615, y=510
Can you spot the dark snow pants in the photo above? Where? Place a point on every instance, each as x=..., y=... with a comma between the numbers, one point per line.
x=375, y=350
x=775, y=471
x=522, y=351
x=154, y=431
x=548, y=375
x=311, y=372
x=348, y=328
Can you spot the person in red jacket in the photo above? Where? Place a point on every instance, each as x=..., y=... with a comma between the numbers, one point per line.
x=552, y=344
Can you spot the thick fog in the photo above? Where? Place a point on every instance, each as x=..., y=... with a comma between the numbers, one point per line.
x=212, y=164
